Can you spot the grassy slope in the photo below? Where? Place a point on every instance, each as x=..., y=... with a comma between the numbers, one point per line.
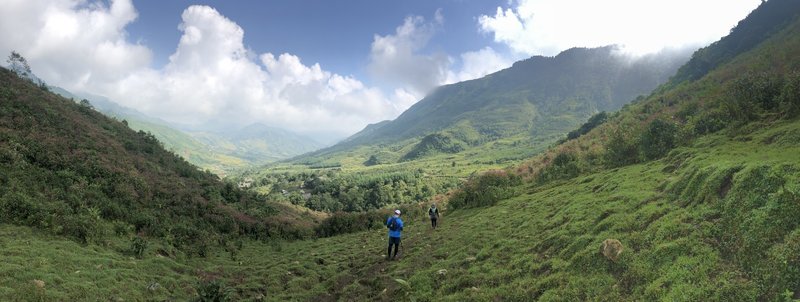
x=715, y=220
x=541, y=244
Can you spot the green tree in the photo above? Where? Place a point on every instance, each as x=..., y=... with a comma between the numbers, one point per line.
x=18, y=65
x=658, y=139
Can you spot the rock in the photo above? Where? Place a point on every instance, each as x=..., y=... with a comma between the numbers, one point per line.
x=471, y=259
x=442, y=272
x=154, y=286
x=611, y=248
x=38, y=283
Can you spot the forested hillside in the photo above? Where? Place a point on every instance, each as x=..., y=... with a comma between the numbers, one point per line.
x=69, y=170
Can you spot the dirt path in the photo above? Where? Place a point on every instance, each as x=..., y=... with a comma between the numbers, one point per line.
x=374, y=277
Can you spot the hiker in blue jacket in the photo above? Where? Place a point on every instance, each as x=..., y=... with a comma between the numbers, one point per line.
x=395, y=225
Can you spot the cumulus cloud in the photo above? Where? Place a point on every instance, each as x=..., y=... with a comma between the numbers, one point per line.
x=72, y=43
x=396, y=58
x=538, y=27
x=400, y=58
x=476, y=64
x=211, y=78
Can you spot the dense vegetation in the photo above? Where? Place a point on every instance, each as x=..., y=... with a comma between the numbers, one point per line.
x=331, y=190
x=71, y=171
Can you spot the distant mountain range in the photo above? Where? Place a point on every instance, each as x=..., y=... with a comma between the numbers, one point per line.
x=536, y=97
x=220, y=151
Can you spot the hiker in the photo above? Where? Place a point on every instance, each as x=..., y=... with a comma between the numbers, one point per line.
x=433, y=212
x=395, y=225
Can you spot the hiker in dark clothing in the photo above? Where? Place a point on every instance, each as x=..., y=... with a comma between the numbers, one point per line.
x=395, y=225
x=433, y=212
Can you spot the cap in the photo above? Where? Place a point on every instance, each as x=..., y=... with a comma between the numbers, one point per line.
x=397, y=212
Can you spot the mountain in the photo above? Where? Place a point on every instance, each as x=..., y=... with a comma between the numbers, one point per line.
x=221, y=152
x=257, y=143
x=536, y=97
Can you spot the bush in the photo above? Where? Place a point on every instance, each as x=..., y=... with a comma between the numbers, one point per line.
x=564, y=166
x=709, y=121
x=593, y=122
x=659, y=137
x=485, y=190
x=212, y=291
x=621, y=148
x=752, y=94
x=789, y=100
x=138, y=246
x=342, y=223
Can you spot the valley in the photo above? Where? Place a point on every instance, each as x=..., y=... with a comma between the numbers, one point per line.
x=583, y=176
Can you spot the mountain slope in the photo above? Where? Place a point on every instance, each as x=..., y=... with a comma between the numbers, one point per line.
x=71, y=171
x=532, y=93
x=257, y=144
x=219, y=152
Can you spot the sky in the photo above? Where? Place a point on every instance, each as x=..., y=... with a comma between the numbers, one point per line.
x=324, y=68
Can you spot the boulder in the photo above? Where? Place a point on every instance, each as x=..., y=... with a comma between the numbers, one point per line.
x=611, y=248
x=38, y=283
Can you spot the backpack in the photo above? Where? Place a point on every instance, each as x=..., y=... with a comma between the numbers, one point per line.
x=393, y=225
x=433, y=212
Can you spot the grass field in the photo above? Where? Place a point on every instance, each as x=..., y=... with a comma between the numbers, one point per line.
x=677, y=218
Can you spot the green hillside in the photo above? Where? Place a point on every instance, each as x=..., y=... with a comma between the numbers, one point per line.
x=69, y=170
x=222, y=153
x=689, y=194
x=529, y=97
x=257, y=144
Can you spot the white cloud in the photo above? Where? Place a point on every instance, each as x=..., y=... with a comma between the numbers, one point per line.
x=72, y=43
x=534, y=27
x=399, y=58
x=476, y=64
x=211, y=77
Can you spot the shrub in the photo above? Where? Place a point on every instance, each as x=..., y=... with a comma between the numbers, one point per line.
x=212, y=291
x=621, y=148
x=485, y=190
x=138, y=246
x=594, y=121
x=789, y=100
x=709, y=121
x=564, y=166
x=751, y=94
x=342, y=223
x=658, y=139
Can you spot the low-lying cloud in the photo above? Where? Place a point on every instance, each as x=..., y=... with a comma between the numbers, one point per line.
x=537, y=27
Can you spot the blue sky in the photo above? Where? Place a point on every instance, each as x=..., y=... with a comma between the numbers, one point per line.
x=323, y=68
x=336, y=34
